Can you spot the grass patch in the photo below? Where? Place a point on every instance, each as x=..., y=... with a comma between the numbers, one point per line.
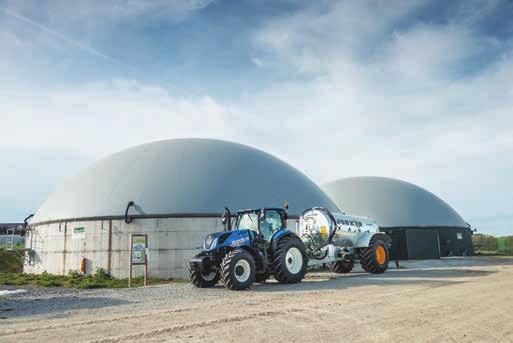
x=8, y=245
x=10, y=261
x=100, y=279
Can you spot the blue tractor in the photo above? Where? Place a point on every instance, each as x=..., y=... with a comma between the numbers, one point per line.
x=258, y=246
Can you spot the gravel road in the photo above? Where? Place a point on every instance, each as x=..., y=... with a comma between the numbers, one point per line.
x=453, y=299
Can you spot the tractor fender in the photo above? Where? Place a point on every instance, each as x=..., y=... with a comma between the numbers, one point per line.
x=279, y=235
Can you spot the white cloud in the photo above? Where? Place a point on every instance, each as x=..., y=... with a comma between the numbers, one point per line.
x=379, y=100
x=257, y=61
x=93, y=12
x=103, y=117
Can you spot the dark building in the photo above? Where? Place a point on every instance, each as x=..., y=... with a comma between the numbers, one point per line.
x=421, y=225
x=5, y=228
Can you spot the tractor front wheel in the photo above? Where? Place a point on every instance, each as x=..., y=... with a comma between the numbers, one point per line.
x=374, y=258
x=204, y=279
x=342, y=267
x=238, y=270
x=290, y=260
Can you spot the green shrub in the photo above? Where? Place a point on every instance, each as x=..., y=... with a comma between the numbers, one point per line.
x=11, y=261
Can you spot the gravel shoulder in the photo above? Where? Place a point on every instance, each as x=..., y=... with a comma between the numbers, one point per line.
x=453, y=299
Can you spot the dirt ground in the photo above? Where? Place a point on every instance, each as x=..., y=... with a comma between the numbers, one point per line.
x=451, y=300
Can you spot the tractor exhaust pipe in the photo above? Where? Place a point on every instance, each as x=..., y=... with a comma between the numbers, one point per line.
x=227, y=219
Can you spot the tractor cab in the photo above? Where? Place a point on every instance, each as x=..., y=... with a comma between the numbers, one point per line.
x=262, y=224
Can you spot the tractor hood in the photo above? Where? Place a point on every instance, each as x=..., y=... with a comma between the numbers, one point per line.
x=211, y=240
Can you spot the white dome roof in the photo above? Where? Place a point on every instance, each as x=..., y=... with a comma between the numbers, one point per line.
x=182, y=176
x=392, y=203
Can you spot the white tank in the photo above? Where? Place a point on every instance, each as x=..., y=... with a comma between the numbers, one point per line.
x=319, y=227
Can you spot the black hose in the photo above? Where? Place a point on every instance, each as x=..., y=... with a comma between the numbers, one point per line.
x=25, y=221
x=128, y=219
x=314, y=251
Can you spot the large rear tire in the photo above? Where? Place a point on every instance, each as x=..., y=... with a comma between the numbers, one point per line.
x=238, y=270
x=290, y=260
x=342, y=267
x=374, y=259
x=205, y=279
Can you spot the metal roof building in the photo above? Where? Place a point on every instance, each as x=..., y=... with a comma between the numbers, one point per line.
x=178, y=189
x=420, y=223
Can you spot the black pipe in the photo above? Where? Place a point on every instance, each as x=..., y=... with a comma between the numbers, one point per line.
x=25, y=221
x=226, y=219
x=128, y=219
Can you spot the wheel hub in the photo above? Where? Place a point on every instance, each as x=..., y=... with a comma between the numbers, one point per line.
x=381, y=255
x=294, y=260
x=209, y=276
x=242, y=270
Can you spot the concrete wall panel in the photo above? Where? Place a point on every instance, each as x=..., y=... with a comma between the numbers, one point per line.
x=60, y=247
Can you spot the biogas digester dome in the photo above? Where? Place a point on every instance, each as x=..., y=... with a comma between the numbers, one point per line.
x=420, y=224
x=179, y=188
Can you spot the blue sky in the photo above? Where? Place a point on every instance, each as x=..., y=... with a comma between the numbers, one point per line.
x=417, y=90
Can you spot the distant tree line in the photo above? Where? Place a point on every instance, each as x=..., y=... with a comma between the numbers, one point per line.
x=491, y=244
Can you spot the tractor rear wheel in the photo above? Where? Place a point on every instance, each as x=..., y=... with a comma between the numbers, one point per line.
x=204, y=279
x=374, y=258
x=238, y=270
x=290, y=260
x=342, y=267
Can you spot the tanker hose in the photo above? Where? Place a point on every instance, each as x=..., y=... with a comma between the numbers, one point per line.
x=312, y=251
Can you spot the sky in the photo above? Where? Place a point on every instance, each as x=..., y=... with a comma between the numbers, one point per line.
x=415, y=90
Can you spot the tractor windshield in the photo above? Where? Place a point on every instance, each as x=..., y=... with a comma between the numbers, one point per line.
x=248, y=221
x=270, y=224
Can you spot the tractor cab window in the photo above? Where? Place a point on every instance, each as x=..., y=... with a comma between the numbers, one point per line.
x=271, y=223
x=248, y=221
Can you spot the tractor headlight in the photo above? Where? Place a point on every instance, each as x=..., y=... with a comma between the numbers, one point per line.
x=210, y=242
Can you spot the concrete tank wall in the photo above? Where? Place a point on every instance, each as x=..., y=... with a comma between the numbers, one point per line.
x=59, y=247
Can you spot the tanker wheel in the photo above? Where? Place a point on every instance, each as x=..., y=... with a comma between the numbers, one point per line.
x=204, y=279
x=290, y=260
x=342, y=267
x=238, y=270
x=374, y=258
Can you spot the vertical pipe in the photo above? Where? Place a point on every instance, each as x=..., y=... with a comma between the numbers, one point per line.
x=64, y=250
x=109, y=253
x=130, y=260
x=146, y=261
x=31, y=254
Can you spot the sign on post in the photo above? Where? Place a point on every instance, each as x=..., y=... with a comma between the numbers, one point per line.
x=138, y=254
